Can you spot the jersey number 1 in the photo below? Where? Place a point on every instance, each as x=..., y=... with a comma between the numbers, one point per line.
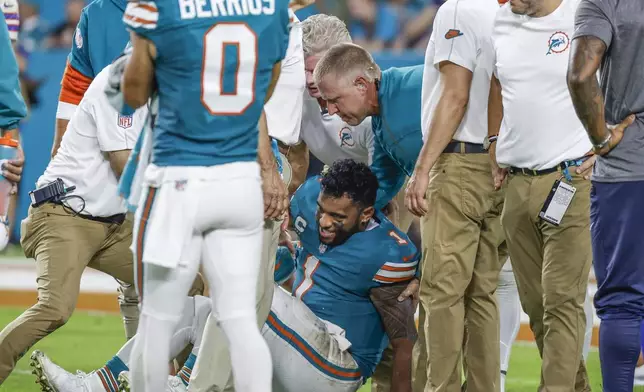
x=310, y=266
x=216, y=40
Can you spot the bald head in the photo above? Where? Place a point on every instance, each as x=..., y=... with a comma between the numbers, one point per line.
x=346, y=60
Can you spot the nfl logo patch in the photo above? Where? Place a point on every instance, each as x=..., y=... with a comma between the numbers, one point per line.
x=125, y=121
x=322, y=248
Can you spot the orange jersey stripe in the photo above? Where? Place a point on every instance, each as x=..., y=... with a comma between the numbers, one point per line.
x=397, y=269
x=148, y=7
x=392, y=280
x=139, y=20
x=305, y=350
x=73, y=85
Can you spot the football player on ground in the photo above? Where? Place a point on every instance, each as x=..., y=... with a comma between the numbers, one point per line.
x=353, y=261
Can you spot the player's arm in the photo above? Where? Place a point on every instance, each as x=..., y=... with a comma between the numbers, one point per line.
x=398, y=320
x=593, y=35
x=273, y=187
x=138, y=78
x=298, y=158
x=77, y=77
x=390, y=177
x=494, y=119
x=12, y=105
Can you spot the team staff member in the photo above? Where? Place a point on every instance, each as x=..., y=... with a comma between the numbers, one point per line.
x=354, y=88
x=607, y=33
x=461, y=240
x=327, y=136
x=99, y=39
x=540, y=147
x=86, y=228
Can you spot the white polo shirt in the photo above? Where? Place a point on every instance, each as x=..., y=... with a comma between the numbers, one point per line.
x=540, y=127
x=462, y=34
x=284, y=109
x=329, y=138
x=94, y=129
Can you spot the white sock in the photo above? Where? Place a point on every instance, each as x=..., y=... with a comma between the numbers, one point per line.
x=151, y=354
x=249, y=354
x=588, y=308
x=125, y=353
x=509, y=318
x=502, y=389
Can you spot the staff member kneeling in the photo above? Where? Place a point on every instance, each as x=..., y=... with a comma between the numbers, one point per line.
x=78, y=222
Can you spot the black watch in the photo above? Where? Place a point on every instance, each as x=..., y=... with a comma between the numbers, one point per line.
x=487, y=142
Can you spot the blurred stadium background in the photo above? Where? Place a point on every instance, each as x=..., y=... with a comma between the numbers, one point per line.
x=395, y=31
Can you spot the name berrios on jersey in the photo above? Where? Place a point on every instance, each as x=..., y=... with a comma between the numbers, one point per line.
x=191, y=9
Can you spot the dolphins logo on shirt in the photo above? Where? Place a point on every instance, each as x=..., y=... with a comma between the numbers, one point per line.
x=346, y=139
x=558, y=43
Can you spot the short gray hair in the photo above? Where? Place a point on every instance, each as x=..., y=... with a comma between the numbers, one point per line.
x=320, y=32
x=344, y=60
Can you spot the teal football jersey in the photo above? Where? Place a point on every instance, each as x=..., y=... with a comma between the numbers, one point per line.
x=334, y=282
x=213, y=69
x=100, y=37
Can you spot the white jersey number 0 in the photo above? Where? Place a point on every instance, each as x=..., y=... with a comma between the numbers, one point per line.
x=216, y=40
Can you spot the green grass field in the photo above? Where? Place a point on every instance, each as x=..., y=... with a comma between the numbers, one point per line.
x=89, y=339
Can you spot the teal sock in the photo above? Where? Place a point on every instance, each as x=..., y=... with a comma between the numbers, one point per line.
x=186, y=370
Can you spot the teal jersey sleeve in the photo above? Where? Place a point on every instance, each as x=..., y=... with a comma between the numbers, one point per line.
x=79, y=57
x=398, y=256
x=12, y=105
x=390, y=176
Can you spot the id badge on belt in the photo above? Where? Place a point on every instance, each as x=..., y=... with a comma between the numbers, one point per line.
x=557, y=202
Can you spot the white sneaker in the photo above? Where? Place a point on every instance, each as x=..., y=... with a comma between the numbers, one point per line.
x=53, y=378
x=124, y=381
x=174, y=384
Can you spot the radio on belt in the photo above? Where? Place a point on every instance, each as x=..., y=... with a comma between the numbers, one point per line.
x=55, y=191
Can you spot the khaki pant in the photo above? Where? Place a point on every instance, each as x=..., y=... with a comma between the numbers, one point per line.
x=461, y=236
x=63, y=246
x=213, y=367
x=551, y=265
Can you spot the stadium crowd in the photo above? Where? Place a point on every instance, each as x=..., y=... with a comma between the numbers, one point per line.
x=384, y=224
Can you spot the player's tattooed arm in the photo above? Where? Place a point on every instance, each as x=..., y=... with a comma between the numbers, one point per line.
x=138, y=78
x=398, y=319
x=586, y=57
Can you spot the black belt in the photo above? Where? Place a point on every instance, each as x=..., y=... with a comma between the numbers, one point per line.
x=464, y=148
x=562, y=166
x=112, y=219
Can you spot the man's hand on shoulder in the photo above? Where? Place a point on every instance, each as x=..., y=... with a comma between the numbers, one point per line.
x=275, y=193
